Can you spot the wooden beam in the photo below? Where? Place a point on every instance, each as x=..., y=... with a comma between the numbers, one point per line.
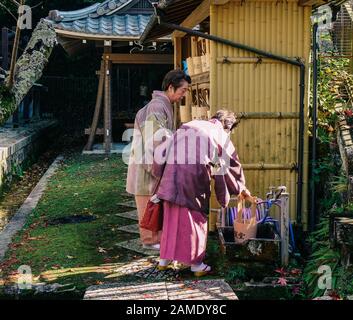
x=100, y=37
x=197, y=16
x=99, y=132
x=177, y=54
x=97, y=110
x=107, y=102
x=303, y=3
x=139, y=58
x=219, y=2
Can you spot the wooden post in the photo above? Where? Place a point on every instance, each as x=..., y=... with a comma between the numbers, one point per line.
x=107, y=98
x=177, y=54
x=284, y=228
x=14, y=52
x=5, y=48
x=97, y=109
x=194, y=51
x=107, y=107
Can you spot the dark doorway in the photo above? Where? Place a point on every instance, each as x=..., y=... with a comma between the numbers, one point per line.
x=132, y=87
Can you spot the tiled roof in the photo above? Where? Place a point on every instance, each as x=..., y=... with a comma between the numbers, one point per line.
x=116, y=25
x=110, y=18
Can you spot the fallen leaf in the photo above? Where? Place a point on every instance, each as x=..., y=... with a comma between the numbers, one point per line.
x=282, y=281
x=101, y=250
x=56, y=266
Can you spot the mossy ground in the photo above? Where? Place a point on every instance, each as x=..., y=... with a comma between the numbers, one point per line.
x=84, y=254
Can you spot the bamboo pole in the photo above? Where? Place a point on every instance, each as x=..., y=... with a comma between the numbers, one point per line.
x=15, y=51
x=267, y=115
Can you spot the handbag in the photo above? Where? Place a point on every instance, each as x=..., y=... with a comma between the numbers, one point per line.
x=245, y=228
x=152, y=219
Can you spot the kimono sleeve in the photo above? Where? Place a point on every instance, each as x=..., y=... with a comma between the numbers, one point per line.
x=155, y=132
x=228, y=174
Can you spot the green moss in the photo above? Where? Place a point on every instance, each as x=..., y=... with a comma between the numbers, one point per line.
x=85, y=185
x=7, y=104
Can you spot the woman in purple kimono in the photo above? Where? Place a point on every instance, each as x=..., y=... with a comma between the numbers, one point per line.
x=198, y=151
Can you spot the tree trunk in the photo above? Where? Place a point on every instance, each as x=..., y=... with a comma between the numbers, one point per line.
x=29, y=69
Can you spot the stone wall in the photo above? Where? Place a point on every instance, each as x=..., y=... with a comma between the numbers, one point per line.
x=22, y=144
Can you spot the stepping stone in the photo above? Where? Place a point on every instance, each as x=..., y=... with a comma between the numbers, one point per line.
x=133, y=215
x=132, y=228
x=135, y=245
x=127, y=291
x=200, y=290
x=187, y=290
x=146, y=268
x=130, y=203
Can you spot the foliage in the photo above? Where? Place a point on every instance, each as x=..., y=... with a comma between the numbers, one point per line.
x=236, y=273
x=330, y=180
x=7, y=102
x=330, y=99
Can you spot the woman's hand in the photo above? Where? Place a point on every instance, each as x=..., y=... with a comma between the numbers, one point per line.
x=246, y=195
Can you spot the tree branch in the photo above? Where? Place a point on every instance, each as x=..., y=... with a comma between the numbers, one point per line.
x=37, y=5
x=3, y=6
x=15, y=3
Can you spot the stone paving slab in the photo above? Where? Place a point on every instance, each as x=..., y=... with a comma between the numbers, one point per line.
x=130, y=203
x=135, y=245
x=186, y=290
x=117, y=148
x=132, y=215
x=200, y=290
x=132, y=228
x=18, y=220
x=145, y=268
x=127, y=291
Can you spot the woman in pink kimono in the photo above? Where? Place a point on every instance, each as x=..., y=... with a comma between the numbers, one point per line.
x=152, y=122
x=198, y=151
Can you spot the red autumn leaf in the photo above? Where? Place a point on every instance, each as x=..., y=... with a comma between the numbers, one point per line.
x=334, y=295
x=295, y=271
x=282, y=281
x=281, y=271
x=348, y=113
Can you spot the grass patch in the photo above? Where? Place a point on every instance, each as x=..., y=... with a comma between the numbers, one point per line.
x=78, y=253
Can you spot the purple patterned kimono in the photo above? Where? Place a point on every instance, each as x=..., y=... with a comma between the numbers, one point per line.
x=197, y=152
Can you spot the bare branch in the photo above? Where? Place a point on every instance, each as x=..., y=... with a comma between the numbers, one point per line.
x=13, y=16
x=15, y=3
x=37, y=5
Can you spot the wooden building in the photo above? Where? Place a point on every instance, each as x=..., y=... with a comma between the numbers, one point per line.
x=259, y=54
x=115, y=26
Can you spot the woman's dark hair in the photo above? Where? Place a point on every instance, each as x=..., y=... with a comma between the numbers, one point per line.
x=227, y=118
x=175, y=79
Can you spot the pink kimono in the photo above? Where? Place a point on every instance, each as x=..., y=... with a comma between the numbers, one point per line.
x=198, y=151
